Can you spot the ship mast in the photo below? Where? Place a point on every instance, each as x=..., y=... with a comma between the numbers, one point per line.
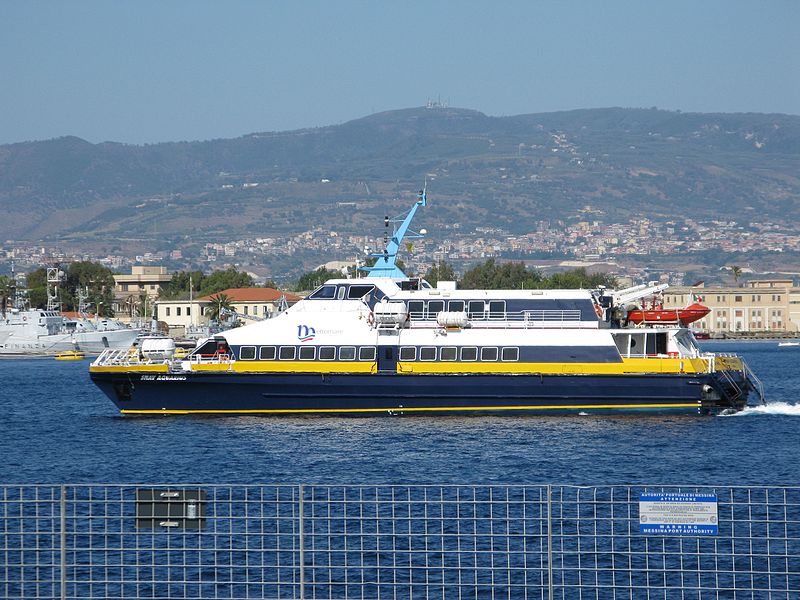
x=386, y=265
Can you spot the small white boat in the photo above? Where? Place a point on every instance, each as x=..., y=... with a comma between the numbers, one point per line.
x=785, y=344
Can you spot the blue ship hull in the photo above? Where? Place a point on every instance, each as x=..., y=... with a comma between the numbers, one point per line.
x=370, y=394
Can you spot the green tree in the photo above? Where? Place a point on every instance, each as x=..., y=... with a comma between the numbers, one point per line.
x=442, y=271
x=94, y=278
x=578, y=279
x=5, y=294
x=144, y=307
x=223, y=280
x=736, y=271
x=178, y=286
x=36, y=284
x=5, y=285
x=219, y=304
x=506, y=276
x=314, y=279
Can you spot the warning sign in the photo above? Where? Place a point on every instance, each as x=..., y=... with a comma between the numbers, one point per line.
x=678, y=514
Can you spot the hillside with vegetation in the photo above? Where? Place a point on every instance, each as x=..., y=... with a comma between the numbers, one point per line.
x=508, y=172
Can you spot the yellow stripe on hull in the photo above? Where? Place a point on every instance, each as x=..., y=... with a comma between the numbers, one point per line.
x=626, y=367
x=289, y=366
x=130, y=369
x=424, y=409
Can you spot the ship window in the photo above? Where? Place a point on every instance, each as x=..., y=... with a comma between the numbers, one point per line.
x=188, y=311
x=455, y=306
x=340, y=293
x=359, y=291
x=327, y=353
x=287, y=352
x=326, y=292
x=366, y=353
x=266, y=353
x=510, y=354
x=449, y=353
x=178, y=311
x=247, y=353
x=167, y=310
x=469, y=354
x=488, y=353
x=497, y=309
x=434, y=307
x=307, y=352
x=476, y=308
x=427, y=353
x=416, y=308
x=408, y=353
x=347, y=353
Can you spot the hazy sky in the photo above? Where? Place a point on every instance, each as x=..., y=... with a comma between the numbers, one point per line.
x=147, y=71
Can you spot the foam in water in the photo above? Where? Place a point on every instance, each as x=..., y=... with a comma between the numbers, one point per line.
x=771, y=408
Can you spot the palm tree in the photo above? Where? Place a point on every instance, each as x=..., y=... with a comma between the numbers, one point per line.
x=736, y=270
x=219, y=304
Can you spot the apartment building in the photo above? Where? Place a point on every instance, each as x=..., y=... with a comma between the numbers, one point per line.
x=761, y=305
x=141, y=287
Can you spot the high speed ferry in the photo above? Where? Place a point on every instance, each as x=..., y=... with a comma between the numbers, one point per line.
x=390, y=344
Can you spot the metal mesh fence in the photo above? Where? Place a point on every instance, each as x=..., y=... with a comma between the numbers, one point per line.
x=432, y=541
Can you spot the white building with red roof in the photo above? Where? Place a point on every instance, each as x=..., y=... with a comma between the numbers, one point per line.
x=250, y=303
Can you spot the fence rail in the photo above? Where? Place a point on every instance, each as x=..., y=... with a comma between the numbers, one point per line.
x=422, y=541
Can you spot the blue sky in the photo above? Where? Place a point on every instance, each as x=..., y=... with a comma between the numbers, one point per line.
x=145, y=71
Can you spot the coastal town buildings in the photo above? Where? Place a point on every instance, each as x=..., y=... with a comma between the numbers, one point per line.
x=760, y=306
x=143, y=285
x=249, y=304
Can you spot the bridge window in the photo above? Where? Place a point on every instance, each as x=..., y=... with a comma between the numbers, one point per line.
x=408, y=353
x=469, y=353
x=359, y=291
x=510, y=354
x=347, y=353
x=455, y=306
x=449, y=353
x=307, y=352
x=266, y=353
x=366, y=353
x=247, y=353
x=326, y=292
x=287, y=352
x=327, y=353
x=476, y=308
x=488, y=353
x=427, y=353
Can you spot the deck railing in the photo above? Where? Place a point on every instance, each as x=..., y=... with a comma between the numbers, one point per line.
x=534, y=319
x=419, y=541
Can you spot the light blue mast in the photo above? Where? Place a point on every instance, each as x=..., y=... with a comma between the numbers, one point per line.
x=385, y=265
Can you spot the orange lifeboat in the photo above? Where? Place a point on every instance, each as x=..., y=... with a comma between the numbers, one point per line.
x=679, y=316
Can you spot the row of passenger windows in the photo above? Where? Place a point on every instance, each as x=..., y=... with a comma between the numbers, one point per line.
x=450, y=353
x=476, y=309
x=367, y=353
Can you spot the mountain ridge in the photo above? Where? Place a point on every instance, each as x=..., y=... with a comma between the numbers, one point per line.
x=627, y=161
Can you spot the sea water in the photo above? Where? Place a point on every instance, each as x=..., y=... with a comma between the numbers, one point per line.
x=56, y=427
